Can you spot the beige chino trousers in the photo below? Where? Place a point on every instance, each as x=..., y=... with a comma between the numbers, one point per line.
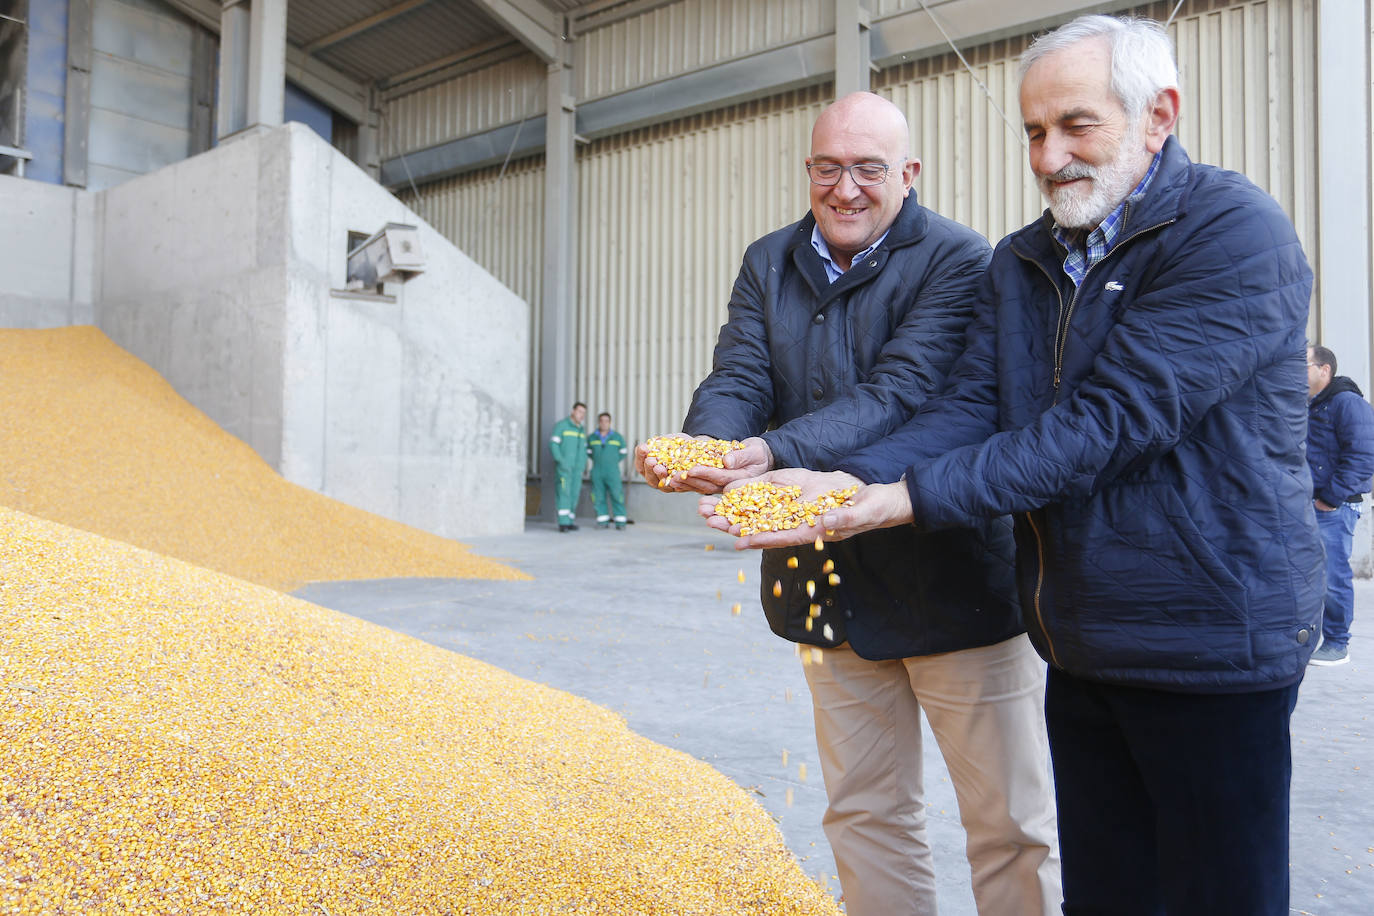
x=986, y=709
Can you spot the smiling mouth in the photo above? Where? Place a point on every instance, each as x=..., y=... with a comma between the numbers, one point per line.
x=845, y=211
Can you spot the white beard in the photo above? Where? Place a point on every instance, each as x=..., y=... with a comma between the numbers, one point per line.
x=1073, y=208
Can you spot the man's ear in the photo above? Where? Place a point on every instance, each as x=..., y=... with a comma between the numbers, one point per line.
x=1160, y=119
x=909, y=173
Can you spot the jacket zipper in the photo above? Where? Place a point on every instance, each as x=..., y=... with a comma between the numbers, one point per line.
x=1061, y=337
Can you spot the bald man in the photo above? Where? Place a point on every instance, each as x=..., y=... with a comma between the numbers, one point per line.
x=840, y=326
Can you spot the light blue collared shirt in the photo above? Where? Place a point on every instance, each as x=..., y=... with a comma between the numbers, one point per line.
x=832, y=270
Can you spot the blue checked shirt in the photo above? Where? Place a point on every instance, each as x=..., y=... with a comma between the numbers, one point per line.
x=833, y=271
x=1085, y=252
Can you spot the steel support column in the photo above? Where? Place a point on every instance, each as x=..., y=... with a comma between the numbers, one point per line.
x=558, y=321
x=853, y=56
x=252, y=72
x=1343, y=167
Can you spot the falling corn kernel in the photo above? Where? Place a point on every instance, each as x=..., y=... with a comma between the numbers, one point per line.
x=801, y=772
x=777, y=588
x=820, y=543
x=815, y=610
x=788, y=796
x=816, y=655
x=787, y=695
x=719, y=595
x=741, y=575
x=808, y=624
x=784, y=756
x=828, y=566
x=834, y=579
x=828, y=633
x=710, y=546
x=810, y=589
x=791, y=562
x=735, y=609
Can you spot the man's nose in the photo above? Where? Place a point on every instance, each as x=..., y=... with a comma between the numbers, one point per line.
x=1053, y=153
x=847, y=186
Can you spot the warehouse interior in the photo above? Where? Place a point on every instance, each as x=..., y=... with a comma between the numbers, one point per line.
x=604, y=161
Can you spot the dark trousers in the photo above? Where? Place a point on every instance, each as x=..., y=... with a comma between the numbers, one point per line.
x=1170, y=803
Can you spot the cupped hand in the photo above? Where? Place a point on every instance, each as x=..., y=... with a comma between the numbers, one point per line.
x=872, y=506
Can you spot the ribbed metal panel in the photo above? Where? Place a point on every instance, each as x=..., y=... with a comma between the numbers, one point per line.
x=427, y=33
x=682, y=37
x=486, y=98
x=666, y=212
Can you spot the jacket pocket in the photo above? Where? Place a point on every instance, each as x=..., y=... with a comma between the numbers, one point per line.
x=1142, y=588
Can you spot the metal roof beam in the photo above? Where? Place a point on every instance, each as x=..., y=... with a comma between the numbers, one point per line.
x=339, y=91
x=537, y=27
x=362, y=25
x=906, y=36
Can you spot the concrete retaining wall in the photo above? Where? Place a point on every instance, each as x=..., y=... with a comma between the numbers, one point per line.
x=47, y=240
x=224, y=272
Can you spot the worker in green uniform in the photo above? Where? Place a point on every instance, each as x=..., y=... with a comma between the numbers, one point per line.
x=606, y=448
x=569, y=446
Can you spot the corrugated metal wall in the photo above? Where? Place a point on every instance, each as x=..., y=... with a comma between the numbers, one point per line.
x=503, y=93
x=682, y=37
x=140, y=90
x=666, y=212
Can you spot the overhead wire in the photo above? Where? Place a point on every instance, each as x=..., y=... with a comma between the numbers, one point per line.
x=1015, y=130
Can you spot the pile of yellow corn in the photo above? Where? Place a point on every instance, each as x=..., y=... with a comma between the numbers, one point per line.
x=178, y=740
x=93, y=438
x=766, y=506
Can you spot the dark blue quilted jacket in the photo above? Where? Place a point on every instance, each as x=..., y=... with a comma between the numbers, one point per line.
x=827, y=368
x=1146, y=432
x=1340, y=442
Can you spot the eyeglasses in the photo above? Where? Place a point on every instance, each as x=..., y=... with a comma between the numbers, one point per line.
x=865, y=174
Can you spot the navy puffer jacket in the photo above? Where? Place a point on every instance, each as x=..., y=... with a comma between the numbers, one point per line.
x=1147, y=431
x=1340, y=442
x=821, y=369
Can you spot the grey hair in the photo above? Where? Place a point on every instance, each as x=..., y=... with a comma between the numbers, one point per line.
x=1142, y=56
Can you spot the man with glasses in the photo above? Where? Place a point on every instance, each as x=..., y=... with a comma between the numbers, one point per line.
x=839, y=328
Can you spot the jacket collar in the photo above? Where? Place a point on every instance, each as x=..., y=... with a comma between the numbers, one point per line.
x=1165, y=200
x=910, y=226
x=1334, y=387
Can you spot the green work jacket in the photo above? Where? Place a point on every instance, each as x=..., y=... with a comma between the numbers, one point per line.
x=606, y=455
x=568, y=443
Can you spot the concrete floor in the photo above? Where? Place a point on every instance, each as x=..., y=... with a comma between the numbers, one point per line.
x=640, y=621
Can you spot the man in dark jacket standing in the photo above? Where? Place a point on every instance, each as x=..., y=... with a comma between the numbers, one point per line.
x=1132, y=394
x=1340, y=452
x=839, y=327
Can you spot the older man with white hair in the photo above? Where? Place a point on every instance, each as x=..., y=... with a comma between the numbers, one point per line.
x=1132, y=395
